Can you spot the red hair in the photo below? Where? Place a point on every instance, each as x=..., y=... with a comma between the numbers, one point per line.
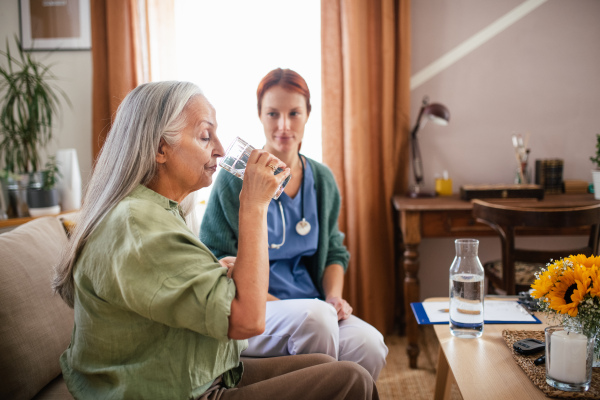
x=287, y=79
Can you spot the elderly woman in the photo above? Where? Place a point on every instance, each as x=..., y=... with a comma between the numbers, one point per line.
x=306, y=251
x=156, y=315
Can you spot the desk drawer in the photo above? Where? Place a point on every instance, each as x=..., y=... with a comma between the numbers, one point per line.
x=461, y=223
x=452, y=223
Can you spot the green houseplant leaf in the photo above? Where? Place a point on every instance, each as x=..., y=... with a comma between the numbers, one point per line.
x=50, y=174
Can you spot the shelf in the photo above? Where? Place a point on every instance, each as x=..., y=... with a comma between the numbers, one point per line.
x=14, y=222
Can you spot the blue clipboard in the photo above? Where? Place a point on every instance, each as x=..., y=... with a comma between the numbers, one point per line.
x=423, y=319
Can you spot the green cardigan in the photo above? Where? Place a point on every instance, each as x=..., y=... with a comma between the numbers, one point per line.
x=219, y=230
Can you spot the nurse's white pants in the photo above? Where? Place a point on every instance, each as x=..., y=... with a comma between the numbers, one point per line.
x=305, y=326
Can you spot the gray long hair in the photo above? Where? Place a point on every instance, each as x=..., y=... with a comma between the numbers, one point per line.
x=149, y=113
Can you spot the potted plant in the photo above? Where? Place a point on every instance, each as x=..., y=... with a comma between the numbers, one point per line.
x=42, y=197
x=4, y=211
x=28, y=104
x=596, y=171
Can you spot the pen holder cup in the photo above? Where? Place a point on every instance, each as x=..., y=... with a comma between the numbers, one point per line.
x=443, y=187
x=569, y=358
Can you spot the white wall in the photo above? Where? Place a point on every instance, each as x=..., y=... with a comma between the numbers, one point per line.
x=74, y=71
x=540, y=75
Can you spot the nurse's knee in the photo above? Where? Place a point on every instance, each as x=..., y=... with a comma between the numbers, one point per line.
x=375, y=353
x=317, y=330
x=366, y=347
x=374, y=345
x=320, y=317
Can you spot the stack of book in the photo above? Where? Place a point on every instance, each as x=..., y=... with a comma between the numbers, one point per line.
x=576, y=186
x=548, y=174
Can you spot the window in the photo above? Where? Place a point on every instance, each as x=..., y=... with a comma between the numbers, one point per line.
x=227, y=46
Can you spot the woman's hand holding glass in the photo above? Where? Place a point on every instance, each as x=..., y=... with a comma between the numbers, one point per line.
x=251, y=272
x=260, y=183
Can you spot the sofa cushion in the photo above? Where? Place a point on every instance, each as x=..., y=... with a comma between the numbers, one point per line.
x=35, y=324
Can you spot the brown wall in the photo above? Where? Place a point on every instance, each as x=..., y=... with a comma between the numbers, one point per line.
x=540, y=75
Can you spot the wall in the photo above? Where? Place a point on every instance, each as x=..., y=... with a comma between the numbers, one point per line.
x=539, y=75
x=74, y=71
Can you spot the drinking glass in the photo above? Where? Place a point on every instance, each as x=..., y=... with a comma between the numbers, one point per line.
x=235, y=160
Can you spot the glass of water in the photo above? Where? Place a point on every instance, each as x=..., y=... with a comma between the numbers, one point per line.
x=235, y=160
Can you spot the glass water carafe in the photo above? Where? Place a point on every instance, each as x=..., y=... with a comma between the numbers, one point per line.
x=466, y=290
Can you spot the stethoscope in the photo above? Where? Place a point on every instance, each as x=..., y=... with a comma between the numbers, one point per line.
x=303, y=226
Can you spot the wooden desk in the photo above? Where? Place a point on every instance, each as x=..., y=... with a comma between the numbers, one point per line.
x=445, y=217
x=482, y=368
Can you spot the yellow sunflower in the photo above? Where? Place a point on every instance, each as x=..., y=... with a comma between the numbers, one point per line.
x=581, y=259
x=569, y=290
x=594, y=274
x=557, y=267
x=543, y=284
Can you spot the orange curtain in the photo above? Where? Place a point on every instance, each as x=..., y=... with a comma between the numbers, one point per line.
x=124, y=39
x=366, y=107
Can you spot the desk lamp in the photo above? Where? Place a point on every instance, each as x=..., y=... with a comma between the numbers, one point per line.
x=438, y=114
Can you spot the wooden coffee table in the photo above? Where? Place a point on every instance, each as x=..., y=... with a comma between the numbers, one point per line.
x=482, y=368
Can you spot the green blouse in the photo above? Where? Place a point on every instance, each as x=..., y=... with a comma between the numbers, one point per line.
x=151, y=308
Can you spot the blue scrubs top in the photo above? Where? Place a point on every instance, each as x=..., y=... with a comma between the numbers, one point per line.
x=289, y=278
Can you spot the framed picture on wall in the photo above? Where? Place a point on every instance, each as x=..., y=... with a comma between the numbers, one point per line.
x=55, y=24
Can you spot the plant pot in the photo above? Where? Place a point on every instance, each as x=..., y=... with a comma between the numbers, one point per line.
x=17, y=197
x=42, y=202
x=3, y=198
x=596, y=180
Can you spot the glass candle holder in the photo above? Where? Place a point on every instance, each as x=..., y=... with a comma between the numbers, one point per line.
x=569, y=358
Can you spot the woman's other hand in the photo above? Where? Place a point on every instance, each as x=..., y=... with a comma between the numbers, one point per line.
x=260, y=182
x=344, y=310
x=228, y=262
x=270, y=297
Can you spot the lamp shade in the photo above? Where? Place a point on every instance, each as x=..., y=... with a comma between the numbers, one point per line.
x=438, y=114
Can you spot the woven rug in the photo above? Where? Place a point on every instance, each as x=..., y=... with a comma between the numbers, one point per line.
x=398, y=381
x=537, y=373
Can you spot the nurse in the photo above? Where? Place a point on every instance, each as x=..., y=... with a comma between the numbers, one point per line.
x=306, y=312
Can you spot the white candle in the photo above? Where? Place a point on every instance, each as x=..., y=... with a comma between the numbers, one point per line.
x=568, y=353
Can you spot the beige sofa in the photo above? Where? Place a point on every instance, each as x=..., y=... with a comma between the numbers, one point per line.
x=35, y=324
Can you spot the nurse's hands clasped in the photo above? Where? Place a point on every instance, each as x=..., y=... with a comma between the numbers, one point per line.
x=260, y=183
x=344, y=310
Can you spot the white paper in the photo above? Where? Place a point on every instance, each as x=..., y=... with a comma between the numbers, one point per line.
x=493, y=310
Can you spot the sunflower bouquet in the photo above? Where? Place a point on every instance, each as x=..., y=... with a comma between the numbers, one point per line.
x=568, y=291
